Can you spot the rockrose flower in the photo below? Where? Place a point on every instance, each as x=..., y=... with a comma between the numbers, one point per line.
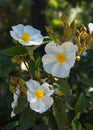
x=15, y=102
x=90, y=26
x=59, y=59
x=26, y=35
x=39, y=96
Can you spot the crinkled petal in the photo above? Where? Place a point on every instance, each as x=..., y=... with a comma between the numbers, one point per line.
x=31, y=30
x=37, y=106
x=71, y=60
x=45, y=87
x=37, y=38
x=18, y=29
x=58, y=70
x=52, y=48
x=68, y=47
x=48, y=62
x=14, y=35
x=32, y=85
x=48, y=101
x=31, y=96
x=42, y=105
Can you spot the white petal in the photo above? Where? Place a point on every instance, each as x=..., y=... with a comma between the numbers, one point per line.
x=45, y=87
x=59, y=71
x=13, y=114
x=48, y=101
x=14, y=104
x=71, y=60
x=68, y=47
x=48, y=62
x=37, y=106
x=31, y=96
x=30, y=43
x=31, y=30
x=18, y=29
x=14, y=35
x=52, y=48
x=37, y=38
x=43, y=105
x=33, y=85
x=90, y=26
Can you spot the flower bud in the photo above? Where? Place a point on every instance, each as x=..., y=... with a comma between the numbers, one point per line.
x=78, y=58
x=84, y=35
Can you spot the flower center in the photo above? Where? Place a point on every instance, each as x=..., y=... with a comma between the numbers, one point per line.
x=25, y=37
x=39, y=93
x=61, y=58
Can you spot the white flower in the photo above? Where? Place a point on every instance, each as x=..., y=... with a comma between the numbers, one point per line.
x=26, y=35
x=15, y=102
x=90, y=26
x=59, y=58
x=39, y=96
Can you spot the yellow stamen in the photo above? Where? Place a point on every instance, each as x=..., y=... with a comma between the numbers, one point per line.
x=39, y=93
x=25, y=37
x=61, y=58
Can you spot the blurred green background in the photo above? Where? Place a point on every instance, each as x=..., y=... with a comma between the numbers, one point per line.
x=38, y=13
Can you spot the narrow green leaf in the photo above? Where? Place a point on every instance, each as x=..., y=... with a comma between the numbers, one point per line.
x=11, y=125
x=76, y=125
x=22, y=103
x=52, y=121
x=86, y=81
x=32, y=67
x=42, y=126
x=37, y=62
x=27, y=120
x=15, y=51
x=80, y=104
x=89, y=126
x=60, y=113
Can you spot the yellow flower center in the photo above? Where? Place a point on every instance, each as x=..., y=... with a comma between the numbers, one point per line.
x=25, y=37
x=61, y=58
x=39, y=93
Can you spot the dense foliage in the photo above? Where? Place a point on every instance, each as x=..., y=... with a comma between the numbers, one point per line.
x=79, y=114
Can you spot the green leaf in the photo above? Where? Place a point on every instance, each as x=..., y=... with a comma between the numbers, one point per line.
x=60, y=113
x=11, y=125
x=22, y=103
x=51, y=120
x=89, y=126
x=27, y=120
x=86, y=81
x=37, y=62
x=31, y=65
x=76, y=125
x=15, y=51
x=80, y=104
x=42, y=126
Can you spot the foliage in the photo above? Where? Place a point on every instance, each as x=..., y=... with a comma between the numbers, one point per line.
x=76, y=107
